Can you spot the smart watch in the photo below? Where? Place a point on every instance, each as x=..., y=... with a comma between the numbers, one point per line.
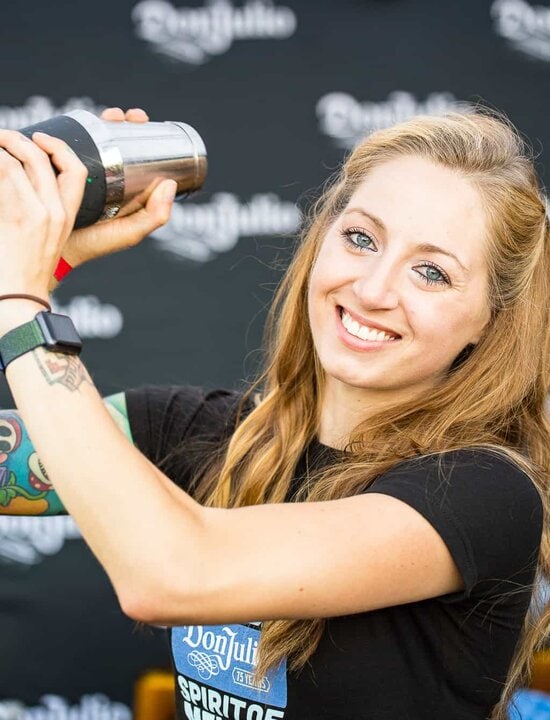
x=55, y=332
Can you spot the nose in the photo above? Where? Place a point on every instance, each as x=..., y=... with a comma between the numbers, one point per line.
x=377, y=286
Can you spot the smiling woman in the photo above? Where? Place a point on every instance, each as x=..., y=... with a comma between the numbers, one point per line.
x=410, y=293
x=358, y=534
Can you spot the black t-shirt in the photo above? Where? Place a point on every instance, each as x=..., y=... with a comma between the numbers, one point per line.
x=446, y=657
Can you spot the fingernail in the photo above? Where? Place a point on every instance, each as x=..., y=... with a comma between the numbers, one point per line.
x=169, y=190
x=41, y=134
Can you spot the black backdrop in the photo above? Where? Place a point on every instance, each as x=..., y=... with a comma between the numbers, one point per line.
x=279, y=92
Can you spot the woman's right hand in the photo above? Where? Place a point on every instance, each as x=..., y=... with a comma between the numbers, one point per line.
x=146, y=212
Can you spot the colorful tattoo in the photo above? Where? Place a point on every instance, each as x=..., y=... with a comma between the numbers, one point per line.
x=61, y=369
x=25, y=488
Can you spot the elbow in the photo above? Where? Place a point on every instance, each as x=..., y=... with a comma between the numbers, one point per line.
x=138, y=606
x=169, y=587
x=171, y=601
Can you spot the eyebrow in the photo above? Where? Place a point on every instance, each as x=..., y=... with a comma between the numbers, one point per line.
x=422, y=247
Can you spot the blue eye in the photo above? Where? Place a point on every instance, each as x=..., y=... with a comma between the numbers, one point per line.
x=358, y=239
x=433, y=275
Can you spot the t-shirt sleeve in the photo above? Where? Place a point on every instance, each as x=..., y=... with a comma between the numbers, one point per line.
x=176, y=427
x=160, y=417
x=486, y=510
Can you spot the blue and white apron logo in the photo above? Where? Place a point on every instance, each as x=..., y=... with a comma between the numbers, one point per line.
x=215, y=666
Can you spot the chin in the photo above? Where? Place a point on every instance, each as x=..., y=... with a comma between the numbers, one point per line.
x=360, y=380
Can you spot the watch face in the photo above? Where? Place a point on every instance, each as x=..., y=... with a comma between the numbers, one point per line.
x=59, y=331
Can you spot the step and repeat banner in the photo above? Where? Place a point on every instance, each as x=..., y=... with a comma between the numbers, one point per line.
x=279, y=91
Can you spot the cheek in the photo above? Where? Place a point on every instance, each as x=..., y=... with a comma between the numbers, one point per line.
x=331, y=270
x=322, y=280
x=448, y=327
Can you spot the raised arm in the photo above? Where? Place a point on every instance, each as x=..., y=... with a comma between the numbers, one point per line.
x=25, y=488
x=172, y=561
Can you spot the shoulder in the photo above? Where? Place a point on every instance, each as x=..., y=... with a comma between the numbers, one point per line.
x=482, y=469
x=483, y=504
x=482, y=479
x=181, y=400
x=161, y=416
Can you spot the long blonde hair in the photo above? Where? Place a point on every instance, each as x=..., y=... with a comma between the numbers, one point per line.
x=495, y=397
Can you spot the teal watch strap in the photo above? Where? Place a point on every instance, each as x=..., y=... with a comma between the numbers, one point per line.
x=56, y=332
x=19, y=341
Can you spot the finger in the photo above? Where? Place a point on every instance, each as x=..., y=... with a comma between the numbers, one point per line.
x=143, y=221
x=21, y=198
x=113, y=113
x=72, y=173
x=136, y=115
x=36, y=166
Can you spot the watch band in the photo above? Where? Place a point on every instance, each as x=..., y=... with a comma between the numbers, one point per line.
x=55, y=332
x=18, y=341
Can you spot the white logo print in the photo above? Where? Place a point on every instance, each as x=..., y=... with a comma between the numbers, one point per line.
x=200, y=232
x=346, y=119
x=28, y=539
x=39, y=108
x=55, y=707
x=92, y=318
x=223, y=646
x=194, y=35
x=207, y=665
x=527, y=28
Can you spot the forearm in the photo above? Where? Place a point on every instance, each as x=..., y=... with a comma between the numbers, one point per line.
x=125, y=512
x=25, y=488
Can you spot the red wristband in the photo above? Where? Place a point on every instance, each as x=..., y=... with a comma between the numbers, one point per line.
x=63, y=268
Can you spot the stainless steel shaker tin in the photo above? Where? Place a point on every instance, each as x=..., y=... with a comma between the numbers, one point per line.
x=134, y=154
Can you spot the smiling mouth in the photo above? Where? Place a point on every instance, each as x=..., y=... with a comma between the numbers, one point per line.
x=364, y=332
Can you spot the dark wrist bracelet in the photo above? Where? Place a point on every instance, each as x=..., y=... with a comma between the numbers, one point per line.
x=28, y=297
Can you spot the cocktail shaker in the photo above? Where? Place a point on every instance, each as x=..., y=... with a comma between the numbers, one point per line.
x=125, y=158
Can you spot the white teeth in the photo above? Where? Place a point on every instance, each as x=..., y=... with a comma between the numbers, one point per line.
x=362, y=331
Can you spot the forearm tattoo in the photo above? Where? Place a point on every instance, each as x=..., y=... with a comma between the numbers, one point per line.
x=25, y=488
x=61, y=369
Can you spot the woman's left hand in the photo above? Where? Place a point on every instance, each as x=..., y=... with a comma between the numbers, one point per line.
x=37, y=209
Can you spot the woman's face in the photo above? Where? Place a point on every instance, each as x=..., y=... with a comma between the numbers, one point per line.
x=400, y=284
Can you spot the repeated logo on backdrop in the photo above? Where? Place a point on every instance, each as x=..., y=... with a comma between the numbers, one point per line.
x=526, y=27
x=28, y=540
x=201, y=231
x=193, y=35
x=346, y=119
x=55, y=707
x=92, y=318
x=38, y=108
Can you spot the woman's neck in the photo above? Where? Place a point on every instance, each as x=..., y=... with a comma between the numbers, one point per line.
x=344, y=407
